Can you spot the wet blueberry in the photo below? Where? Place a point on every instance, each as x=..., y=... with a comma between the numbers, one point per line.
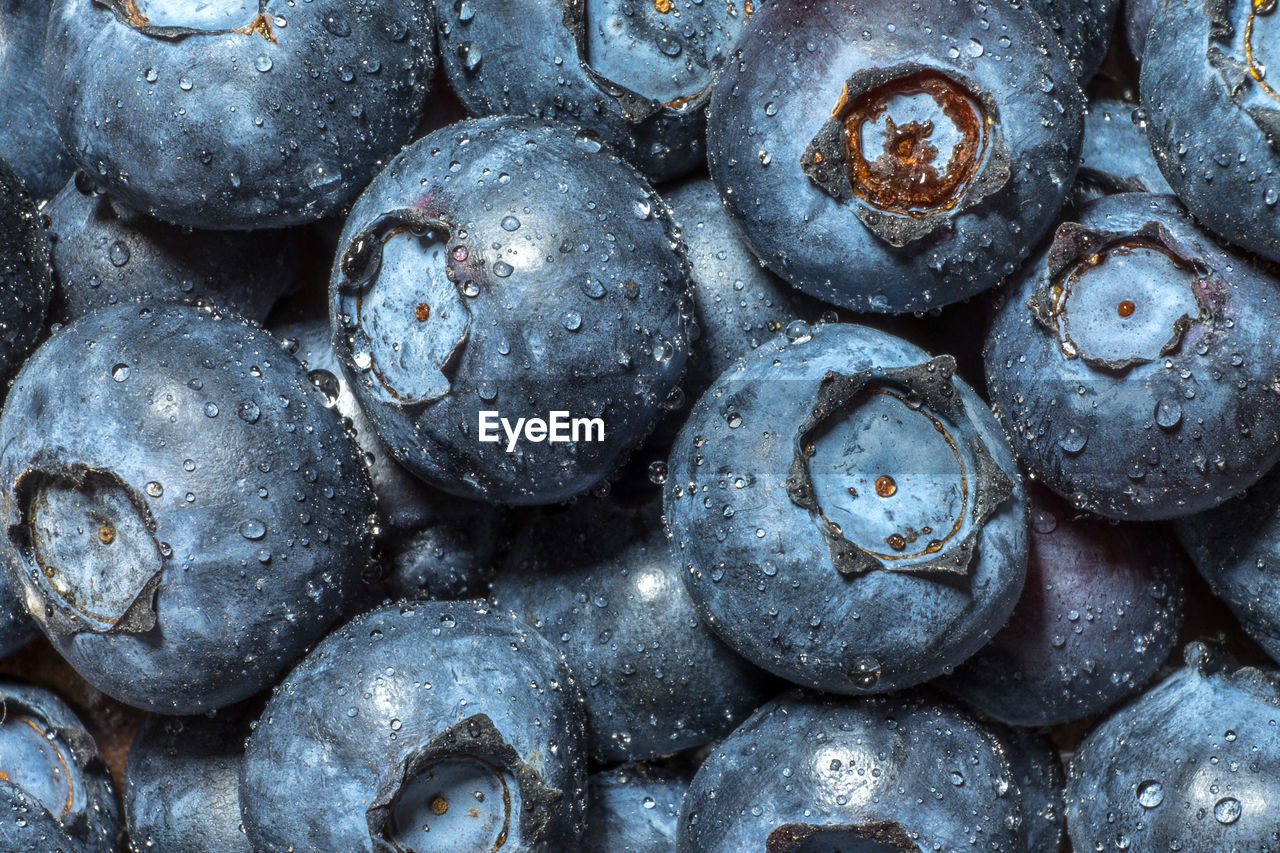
x=55, y=793
x=1037, y=771
x=428, y=727
x=1098, y=616
x=597, y=580
x=634, y=809
x=1194, y=764
x=27, y=137
x=1213, y=115
x=104, y=254
x=26, y=278
x=237, y=113
x=433, y=545
x=893, y=774
x=1133, y=363
x=739, y=304
x=142, y=450
x=182, y=783
x=1084, y=28
x=848, y=513
x=1137, y=23
x=888, y=162
x=1236, y=547
x=501, y=266
x=1116, y=157
x=636, y=74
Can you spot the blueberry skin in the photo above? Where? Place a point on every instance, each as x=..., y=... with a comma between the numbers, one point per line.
x=738, y=303
x=26, y=278
x=222, y=116
x=1116, y=157
x=104, y=254
x=1137, y=23
x=182, y=784
x=433, y=545
x=1193, y=764
x=598, y=576
x=362, y=721
x=1236, y=547
x=763, y=563
x=56, y=787
x=892, y=774
x=1098, y=616
x=1084, y=28
x=1164, y=409
x=635, y=809
x=140, y=528
x=27, y=137
x=771, y=128
x=1213, y=127
x=513, y=266
x=1037, y=771
x=548, y=71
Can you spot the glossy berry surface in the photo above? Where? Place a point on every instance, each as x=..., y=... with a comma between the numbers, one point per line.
x=887, y=774
x=26, y=278
x=139, y=525
x=182, y=783
x=105, y=254
x=1083, y=27
x=598, y=578
x=1098, y=615
x=1132, y=363
x=28, y=140
x=472, y=277
x=437, y=753
x=237, y=114
x=847, y=514
x=1213, y=115
x=892, y=163
x=53, y=781
x=1193, y=764
x=1116, y=157
x=635, y=809
x=637, y=75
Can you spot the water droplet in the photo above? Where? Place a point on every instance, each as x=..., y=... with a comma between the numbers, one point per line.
x=1073, y=441
x=337, y=26
x=154, y=489
x=571, y=320
x=1227, y=811
x=151, y=76
x=487, y=391
x=211, y=410
x=865, y=672
x=1150, y=794
x=510, y=223
x=502, y=269
x=262, y=63
x=118, y=253
x=120, y=372
x=470, y=55
x=252, y=529
x=1168, y=414
x=249, y=412
x=658, y=472
x=185, y=84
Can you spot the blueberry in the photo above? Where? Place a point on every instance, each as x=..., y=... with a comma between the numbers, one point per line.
x=509, y=266
x=428, y=727
x=738, y=303
x=27, y=137
x=182, y=783
x=634, y=809
x=104, y=254
x=1213, y=117
x=1194, y=764
x=888, y=162
x=598, y=581
x=1098, y=615
x=52, y=778
x=1084, y=28
x=893, y=774
x=26, y=278
x=1133, y=363
x=183, y=515
x=1236, y=548
x=1037, y=771
x=848, y=514
x=1137, y=23
x=635, y=74
x=1116, y=157
x=237, y=114
x=433, y=545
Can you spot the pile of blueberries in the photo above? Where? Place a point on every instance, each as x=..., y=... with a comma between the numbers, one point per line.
x=526, y=426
